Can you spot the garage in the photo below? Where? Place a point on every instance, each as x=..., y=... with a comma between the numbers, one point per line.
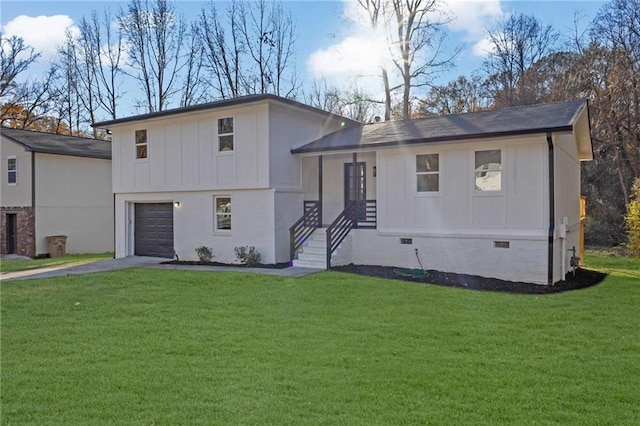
x=154, y=229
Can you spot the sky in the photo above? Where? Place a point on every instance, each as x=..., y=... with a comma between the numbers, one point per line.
x=332, y=43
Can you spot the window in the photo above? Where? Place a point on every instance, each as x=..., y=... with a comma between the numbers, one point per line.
x=488, y=170
x=223, y=213
x=225, y=134
x=12, y=170
x=428, y=172
x=141, y=144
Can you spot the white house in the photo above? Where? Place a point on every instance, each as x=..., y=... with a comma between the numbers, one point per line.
x=55, y=185
x=493, y=193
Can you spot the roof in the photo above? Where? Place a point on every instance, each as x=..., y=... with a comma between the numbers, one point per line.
x=50, y=143
x=241, y=100
x=522, y=120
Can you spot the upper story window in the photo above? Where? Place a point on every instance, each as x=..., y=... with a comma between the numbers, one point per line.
x=225, y=134
x=488, y=170
x=223, y=213
x=428, y=172
x=12, y=170
x=141, y=144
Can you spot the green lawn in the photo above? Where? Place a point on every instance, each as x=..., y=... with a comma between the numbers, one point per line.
x=23, y=265
x=172, y=347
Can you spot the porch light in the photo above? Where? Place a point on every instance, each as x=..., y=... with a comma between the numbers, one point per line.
x=176, y=204
x=375, y=171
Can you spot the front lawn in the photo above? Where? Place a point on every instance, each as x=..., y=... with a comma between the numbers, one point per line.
x=8, y=265
x=146, y=346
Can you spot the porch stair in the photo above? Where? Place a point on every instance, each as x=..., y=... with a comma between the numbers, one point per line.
x=313, y=253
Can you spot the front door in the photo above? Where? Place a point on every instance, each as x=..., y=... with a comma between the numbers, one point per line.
x=12, y=233
x=356, y=190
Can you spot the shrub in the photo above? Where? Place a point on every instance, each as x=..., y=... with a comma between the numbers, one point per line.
x=205, y=254
x=247, y=255
x=632, y=219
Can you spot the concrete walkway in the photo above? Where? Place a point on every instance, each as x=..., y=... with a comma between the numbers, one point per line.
x=141, y=262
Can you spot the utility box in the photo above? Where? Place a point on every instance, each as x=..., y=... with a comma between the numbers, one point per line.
x=57, y=245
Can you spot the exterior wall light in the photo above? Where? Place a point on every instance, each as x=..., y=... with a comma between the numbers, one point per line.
x=176, y=204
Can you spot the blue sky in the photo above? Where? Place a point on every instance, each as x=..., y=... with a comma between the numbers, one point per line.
x=331, y=43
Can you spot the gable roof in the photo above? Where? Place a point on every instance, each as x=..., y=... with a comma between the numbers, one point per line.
x=522, y=120
x=241, y=100
x=50, y=143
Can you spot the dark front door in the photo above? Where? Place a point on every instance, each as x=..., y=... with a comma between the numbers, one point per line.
x=12, y=233
x=154, y=229
x=356, y=189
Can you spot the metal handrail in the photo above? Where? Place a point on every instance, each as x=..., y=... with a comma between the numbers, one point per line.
x=340, y=228
x=300, y=231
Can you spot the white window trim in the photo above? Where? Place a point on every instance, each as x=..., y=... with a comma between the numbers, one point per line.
x=215, y=215
x=417, y=173
x=489, y=192
x=136, y=145
x=12, y=157
x=218, y=135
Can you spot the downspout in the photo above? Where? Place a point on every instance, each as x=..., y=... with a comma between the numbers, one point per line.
x=552, y=209
x=33, y=182
x=33, y=201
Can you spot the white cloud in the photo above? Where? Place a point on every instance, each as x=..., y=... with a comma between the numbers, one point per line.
x=473, y=17
x=356, y=57
x=43, y=33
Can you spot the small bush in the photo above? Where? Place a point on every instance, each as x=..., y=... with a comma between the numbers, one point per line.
x=632, y=220
x=247, y=255
x=205, y=254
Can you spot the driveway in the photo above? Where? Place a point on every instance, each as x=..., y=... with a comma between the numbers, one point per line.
x=141, y=262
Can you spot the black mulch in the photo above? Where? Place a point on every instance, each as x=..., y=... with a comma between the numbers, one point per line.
x=583, y=278
x=237, y=265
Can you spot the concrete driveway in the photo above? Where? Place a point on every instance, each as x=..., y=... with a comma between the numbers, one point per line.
x=141, y=262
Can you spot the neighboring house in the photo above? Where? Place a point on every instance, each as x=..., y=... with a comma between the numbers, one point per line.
x=55, y=185
x=493, y=193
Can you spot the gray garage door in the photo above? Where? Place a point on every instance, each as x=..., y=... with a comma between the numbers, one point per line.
x=154, y=229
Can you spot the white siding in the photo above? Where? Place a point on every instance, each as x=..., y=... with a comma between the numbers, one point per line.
x=252, y=222
x=289, y=128
x=18, y=195
x=457, y=207
x=183, y=153
x=567, y=200
x=74, y=198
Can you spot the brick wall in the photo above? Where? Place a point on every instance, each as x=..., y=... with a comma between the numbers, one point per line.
x=25, y=218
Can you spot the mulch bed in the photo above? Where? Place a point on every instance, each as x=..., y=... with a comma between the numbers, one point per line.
x=235, y=265
x=583, y=278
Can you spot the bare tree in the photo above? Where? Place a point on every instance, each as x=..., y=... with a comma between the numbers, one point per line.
x=193, y=84
x=415, y=31
x=518, y=42
x=249, y=49
x=353, y=103
x=15, y=58
x=155, y=38
x=458, y=96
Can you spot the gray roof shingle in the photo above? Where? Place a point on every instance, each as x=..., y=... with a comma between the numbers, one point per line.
x=50, y=143
x=240, y=100
x=542, y=118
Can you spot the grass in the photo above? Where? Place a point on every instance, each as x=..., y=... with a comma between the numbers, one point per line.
x=7, y=265
x=172, y=347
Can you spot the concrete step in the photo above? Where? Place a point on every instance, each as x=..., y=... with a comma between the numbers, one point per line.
x=309, y=264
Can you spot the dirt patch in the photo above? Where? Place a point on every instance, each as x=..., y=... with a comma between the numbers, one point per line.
x=235, y=265
x=583, y=278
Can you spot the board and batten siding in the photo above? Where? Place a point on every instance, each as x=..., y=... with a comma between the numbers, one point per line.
x=567, y=200
x=455, y=229
x=291, y=127
x=521, y=205
x=183, y=153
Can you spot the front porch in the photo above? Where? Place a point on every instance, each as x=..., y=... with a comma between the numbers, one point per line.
x=340, y=195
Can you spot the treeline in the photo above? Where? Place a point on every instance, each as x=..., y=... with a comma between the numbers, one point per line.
x=249, y=47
